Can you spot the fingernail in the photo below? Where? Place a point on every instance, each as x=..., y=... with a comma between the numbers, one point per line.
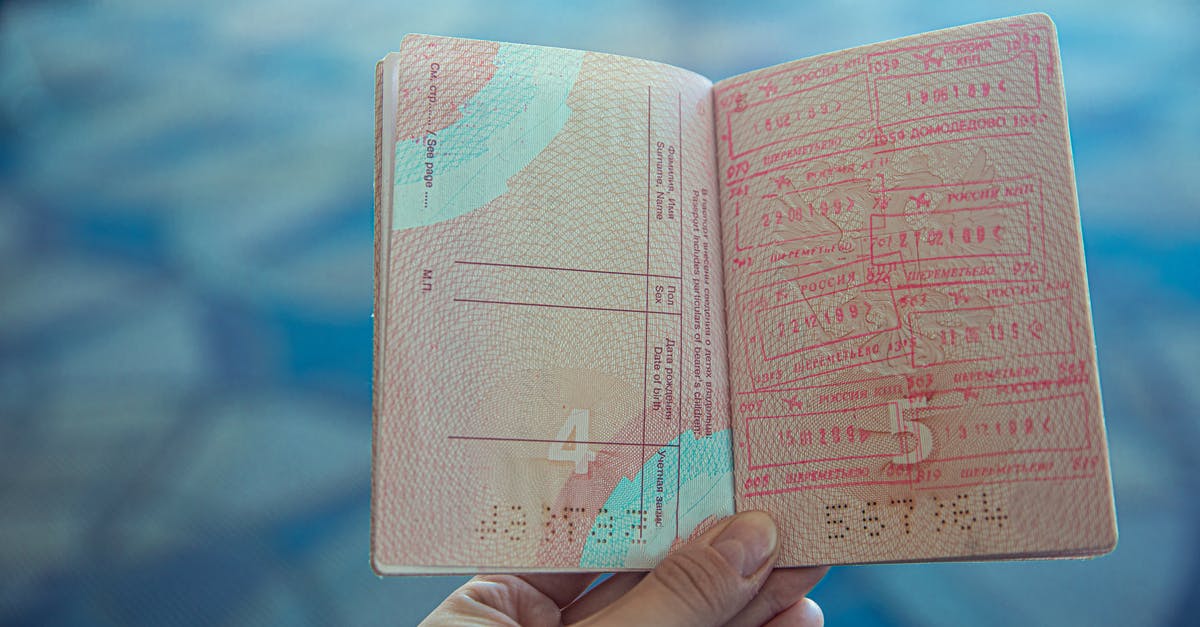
x=747, y=542
x=811, y=614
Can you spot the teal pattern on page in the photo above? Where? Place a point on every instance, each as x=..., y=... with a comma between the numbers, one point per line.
x=503, y=127
x=704, y=489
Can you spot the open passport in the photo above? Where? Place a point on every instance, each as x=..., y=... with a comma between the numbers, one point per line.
x=616, y=302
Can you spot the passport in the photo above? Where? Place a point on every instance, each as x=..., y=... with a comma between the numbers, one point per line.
x=616, y=302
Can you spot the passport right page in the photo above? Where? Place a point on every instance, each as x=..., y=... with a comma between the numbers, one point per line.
x=912, y=362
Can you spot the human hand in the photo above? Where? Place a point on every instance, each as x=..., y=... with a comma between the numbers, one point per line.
x=724, y=577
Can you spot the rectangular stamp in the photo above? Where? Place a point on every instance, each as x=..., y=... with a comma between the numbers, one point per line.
x=1008, y=84
x=823, y=320
x=948, y=78
x=805, y=223
x=1055, y=424
x=842, y=435
x=977, y=232
x=797, y=114
x=952, y=336
x=951, y=234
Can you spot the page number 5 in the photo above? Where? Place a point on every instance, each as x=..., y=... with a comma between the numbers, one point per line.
x=574, y=430
x=915, y=451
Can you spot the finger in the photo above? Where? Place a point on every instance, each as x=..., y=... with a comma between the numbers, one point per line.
x=702, y=583
x=783, y=589
x=601, y=596
x=805, y=613
x=495, y=600
x=616, y=586
x=561, y=588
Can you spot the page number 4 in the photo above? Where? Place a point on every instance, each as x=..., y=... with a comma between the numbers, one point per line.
x=574, y=431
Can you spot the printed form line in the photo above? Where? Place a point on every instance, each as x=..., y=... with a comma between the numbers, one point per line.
x=554, y=441
x=679, y=377
x=531, y=267
x=616, y=309
x=645, y=326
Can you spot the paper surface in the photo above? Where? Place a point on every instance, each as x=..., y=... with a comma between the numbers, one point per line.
x=886, y=239
x=912, y=364
x=550, y=346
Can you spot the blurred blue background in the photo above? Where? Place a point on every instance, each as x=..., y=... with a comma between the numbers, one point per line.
x=185, y=299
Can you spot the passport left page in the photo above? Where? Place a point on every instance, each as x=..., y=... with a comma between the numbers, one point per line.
x=549, y=385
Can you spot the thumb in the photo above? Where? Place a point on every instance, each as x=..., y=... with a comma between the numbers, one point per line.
x=707, y=582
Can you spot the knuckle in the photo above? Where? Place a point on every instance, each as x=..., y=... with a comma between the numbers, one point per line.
x=501, y=592
x=698, y=580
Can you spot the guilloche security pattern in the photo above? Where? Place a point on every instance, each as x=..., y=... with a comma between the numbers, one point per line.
x=911, y=357
x=885, y=239
x=551, y=387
